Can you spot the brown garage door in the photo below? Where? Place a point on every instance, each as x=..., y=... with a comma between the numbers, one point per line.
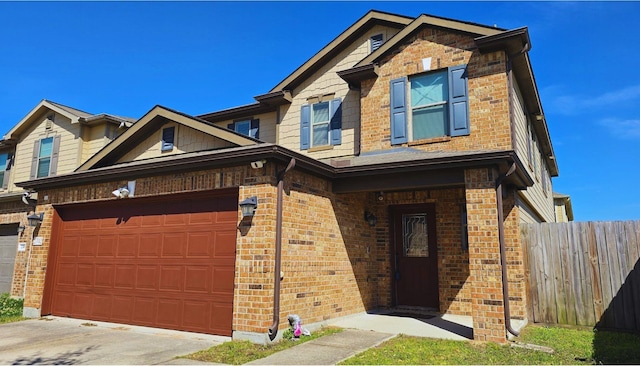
x=165, y=263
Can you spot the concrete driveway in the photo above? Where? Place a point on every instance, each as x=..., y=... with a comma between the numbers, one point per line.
x=63, y=341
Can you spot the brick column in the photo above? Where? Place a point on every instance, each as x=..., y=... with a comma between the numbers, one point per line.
x=487, y=306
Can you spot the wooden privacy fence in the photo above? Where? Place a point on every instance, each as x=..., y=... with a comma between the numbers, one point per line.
x=584, y=273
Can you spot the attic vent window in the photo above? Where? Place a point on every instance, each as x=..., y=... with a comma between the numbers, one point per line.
x=168, y=135
x=49, y=121
x=376, y=41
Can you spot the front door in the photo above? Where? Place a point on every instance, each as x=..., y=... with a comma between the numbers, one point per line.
x=413, y=235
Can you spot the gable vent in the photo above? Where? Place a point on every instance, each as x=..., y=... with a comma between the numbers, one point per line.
x=49, y=121
x=376, y=42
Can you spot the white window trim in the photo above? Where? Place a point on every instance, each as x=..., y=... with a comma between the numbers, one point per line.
x=411, y=109
x=314, y=124
x=40, y=157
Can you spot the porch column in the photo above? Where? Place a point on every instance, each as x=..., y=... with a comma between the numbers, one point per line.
x=487, y=307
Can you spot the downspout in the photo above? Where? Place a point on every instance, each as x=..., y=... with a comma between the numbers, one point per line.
x=503, y=255
x=273, y=330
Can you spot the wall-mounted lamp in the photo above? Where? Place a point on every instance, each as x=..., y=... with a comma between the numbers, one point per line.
x=249, y=206
x=35, y=219
x=380, y=196
x=21, y=229
x=370, y=218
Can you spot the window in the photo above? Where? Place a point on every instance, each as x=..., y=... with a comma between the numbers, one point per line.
x=321, y=124
x=168, y=135
x=44, y=161
x=434, y=104
x=429, y=95
x=376, y=41
x=249, y=127
x=4, y=174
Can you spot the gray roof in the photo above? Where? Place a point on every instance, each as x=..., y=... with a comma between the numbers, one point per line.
x=397, y=155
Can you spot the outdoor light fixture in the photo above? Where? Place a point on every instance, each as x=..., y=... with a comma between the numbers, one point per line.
x=249, y=206
x=370, y=218
x=35, y=219
x=126, y=191
x=21, y=229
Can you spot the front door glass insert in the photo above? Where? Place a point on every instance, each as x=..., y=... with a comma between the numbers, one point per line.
x=414, y=235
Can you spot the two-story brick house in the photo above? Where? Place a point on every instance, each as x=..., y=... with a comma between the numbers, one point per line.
x=393, y=168
x=51, y=139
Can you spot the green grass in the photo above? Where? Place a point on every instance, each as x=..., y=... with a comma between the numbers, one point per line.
x=572, y=346
x=10, y=309
x=241, y=352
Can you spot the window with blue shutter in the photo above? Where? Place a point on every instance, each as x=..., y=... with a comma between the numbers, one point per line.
x=321, y=124
x=435, y=104
x=168, y=135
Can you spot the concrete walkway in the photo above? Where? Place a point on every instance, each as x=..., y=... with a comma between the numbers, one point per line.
x=327, y=350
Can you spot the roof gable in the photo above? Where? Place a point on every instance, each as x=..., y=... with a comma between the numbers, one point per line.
x=340, y=42
x=428, y=20
x=149, y=123
x=73, y=114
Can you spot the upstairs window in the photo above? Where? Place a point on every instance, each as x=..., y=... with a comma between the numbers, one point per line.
x=433, y=104
x=44, y=161
x=376, y=41
x=4, y=173
x=168, y=135
x=321, y=124
x=249, y=127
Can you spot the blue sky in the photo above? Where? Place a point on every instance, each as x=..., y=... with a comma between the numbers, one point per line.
x=196, y=57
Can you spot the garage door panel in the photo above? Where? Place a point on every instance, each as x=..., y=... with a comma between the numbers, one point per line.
x=69, y=247
x=225, y=244
x=169, y=312
x=152, y=263
x=88, y=246
x=174, y=245
x=197, y=279
x=171, y=278
x=149, y=247
x=84, y=274
x=82, y=304
x=125, y=277
x=101, y=306
x=222, y=279
x=127, y=245
x=144, y=310
x=147, y=277
x=105, y=274
x=196, y=314
x=107, y=245
x=122, y=308
x=221, y=316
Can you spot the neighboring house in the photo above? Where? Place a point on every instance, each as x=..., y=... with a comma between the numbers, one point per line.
x=417, y=147
x=52, y=139
x=563, y=207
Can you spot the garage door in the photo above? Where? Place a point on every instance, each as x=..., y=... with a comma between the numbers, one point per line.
x=8, y=248
x=165, y=263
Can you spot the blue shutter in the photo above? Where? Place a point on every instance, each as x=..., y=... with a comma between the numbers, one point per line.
x=459, y=101
x=231, y=126
x=398, y=111
x=305, y=127
x=335, y=133
x=253, y=130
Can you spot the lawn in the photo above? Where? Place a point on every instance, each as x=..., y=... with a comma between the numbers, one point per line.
x=572, y=346
x=10, y=309
x=241, y=352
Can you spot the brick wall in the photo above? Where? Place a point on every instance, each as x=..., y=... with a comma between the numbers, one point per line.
x=12, y=212
x=488, y=92
x=484, y=256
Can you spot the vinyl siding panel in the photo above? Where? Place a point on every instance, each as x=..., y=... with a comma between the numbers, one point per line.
x=520, y=120
x=94, y=140
x=69, y=153
x=186, y=140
